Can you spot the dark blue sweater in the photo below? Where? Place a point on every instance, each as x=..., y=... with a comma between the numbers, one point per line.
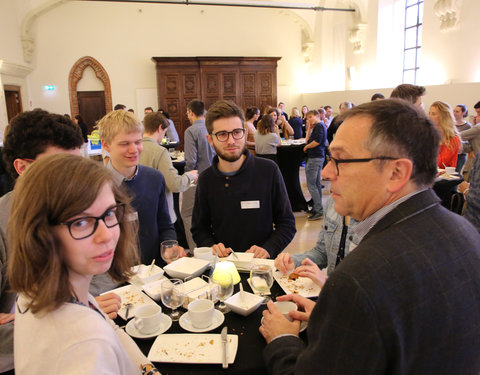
x=218, y=215
x=148, y=190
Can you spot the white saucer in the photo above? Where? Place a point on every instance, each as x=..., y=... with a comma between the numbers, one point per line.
x=165, y=324
x=186, y=324
x=303, y=325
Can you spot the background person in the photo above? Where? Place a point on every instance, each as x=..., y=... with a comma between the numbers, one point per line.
x=296, y=123
x=460, y=112
x=251, y=116
x=72, y=232
x=267, y=138
x=155, y=156
x=284, y=127
x=335, y=241
x=441, y=116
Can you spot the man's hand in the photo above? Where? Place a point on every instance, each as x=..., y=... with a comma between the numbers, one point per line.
x=6, y=318
x=463, y=186
x=275, y=324
x=284, y=263
x=310, y=269
x=110, y=303
x=221, y=250
x=258, y=252
x=193, y=174
x=181, y=252
x=305, y=306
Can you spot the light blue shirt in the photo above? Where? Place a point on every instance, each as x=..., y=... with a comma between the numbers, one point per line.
x=198, y=152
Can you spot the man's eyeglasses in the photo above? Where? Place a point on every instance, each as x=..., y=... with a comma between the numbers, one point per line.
x=84, y=227
x=340, y=161
x=222, y=136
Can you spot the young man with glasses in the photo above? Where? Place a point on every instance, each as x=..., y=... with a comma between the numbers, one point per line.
x=241, y=201
x=405, y=301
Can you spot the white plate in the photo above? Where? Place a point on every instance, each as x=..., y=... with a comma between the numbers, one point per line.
x=303, y=325
x=186, y=324
x=302, y=286
x=165, y=324
x=131, y=294
x=185, y=267
x=192, y=348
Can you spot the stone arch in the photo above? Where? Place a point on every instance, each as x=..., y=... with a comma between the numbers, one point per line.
x=76, y=74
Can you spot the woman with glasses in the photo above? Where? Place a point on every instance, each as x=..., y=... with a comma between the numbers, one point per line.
x=69, y=229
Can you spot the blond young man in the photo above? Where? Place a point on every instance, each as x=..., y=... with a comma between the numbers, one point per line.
x=121, y=135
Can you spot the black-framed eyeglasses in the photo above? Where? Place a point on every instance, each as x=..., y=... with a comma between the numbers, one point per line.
x=366, y=160
x=222, y=136
x=84, y=227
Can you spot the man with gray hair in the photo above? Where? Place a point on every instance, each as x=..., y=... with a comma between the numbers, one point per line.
x=406, y=300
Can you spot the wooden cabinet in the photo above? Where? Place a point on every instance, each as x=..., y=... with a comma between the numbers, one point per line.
x=248, y=81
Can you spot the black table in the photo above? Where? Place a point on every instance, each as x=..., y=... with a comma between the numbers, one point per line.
x=248, y=361
x=290, y=159
x=445, y=188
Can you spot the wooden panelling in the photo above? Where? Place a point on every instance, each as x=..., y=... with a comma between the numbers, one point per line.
x=248, y=81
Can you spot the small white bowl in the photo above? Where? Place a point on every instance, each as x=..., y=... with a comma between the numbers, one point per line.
x=154, y=289
x=185, y=267
x=243, y=260
x=251, y=303
x=144, y=276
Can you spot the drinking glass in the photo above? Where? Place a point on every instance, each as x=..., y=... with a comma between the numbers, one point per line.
x=173, y=296
x=169, y=251
x=222, y=288
x=261, y=278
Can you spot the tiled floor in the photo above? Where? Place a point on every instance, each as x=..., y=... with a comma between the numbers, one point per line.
x=307, y=231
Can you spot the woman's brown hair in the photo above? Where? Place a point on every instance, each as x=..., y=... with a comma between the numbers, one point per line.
x=51, y=191
x=266, y=125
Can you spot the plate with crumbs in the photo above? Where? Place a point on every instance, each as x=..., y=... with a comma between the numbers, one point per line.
x=297, y=285
x=192, y=348
x=134, y=295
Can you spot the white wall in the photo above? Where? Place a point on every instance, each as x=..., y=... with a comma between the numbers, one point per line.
x=124, y=37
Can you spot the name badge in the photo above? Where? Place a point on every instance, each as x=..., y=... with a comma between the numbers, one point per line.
x=132, y=216
x=248, y=205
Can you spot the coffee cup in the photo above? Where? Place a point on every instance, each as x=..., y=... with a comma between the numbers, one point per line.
x=148, y=318
x=205, y=253
x=200, y=313
x=450, y=170
x=285, y=307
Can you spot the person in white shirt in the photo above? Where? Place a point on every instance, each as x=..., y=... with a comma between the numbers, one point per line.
x=70, y=228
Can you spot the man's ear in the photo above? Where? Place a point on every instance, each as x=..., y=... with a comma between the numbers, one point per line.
x=401, y=171
x=20, y=165
x=105, y=145
x=210, y=139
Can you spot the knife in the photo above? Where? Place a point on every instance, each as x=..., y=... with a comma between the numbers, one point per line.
x=233, y=253
x=224, y=347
